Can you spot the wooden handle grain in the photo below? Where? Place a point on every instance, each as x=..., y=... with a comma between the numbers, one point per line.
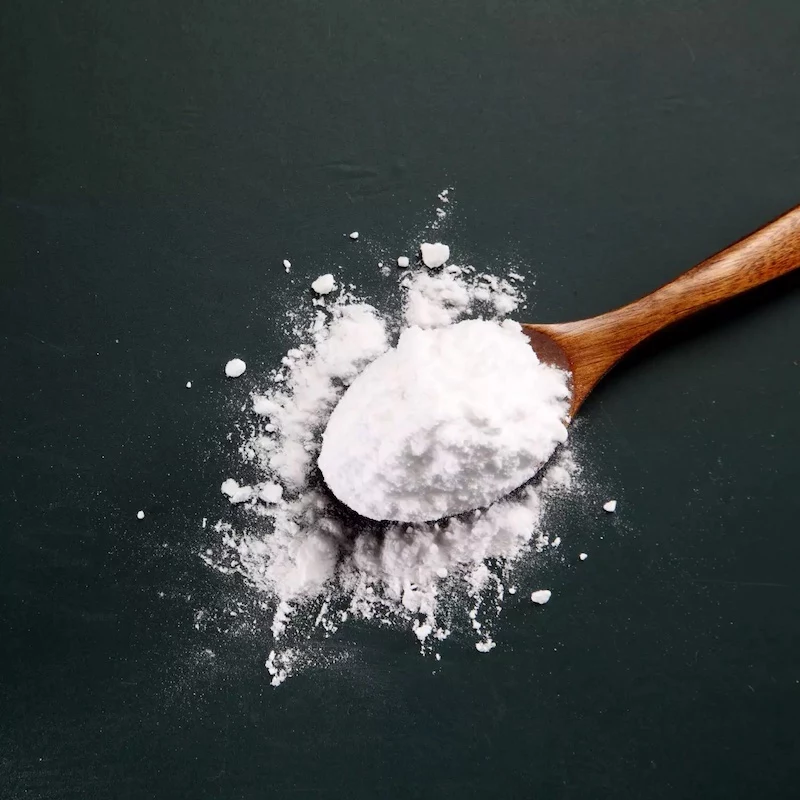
x=594, y=345
x=770, y=252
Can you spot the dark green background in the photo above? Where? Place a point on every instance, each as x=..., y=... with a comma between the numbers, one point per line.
x=159, y=159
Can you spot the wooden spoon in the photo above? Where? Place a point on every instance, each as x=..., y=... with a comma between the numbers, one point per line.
x=588, y=348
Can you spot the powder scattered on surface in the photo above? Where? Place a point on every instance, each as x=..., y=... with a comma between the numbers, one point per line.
x=325, y=284
x=610, y=506
x=140, y=515
x=474, y=414
x=314, y=564
x=434, y=255
x=235, y=367
x=541, y=596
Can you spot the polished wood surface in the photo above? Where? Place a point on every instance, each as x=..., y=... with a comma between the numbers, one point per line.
x=588, y=348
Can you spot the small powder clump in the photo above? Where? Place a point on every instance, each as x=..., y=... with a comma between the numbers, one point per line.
x=235, y=368
x=434, y=255
x=325, y=284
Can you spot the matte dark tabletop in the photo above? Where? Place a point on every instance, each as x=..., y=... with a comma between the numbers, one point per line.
x=158, y=160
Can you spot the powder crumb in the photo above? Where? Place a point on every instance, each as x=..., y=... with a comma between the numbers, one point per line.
x=403, y=262
x=188, y=384
x=422, y=630
x=287, y=265
x=236, y=493
x=610, y=506
x=485, y=646
x=325, y=284
x=434, y=255
x=512, y=590
x=541, y=596
x=279, y=666
x=583, y=556
x=354, y=235
x=140, y=515
x=235, y=367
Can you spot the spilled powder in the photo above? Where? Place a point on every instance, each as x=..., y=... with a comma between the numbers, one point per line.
x=316, y=564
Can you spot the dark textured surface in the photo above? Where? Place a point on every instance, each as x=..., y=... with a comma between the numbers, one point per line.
x=158, y=160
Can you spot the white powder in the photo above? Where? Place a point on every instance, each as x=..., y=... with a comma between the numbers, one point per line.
x=235, y=367
x=610, y=506
x=434, y=255
x=583, y=556
x=325, y=284
x=541, y=596
x=315, y=563
x=236, y=493
x=402, y=262
x=270, y=492
x=354, y=235
x=140, y=515
x=474, y=414
x=287, y=265
x=435, y=301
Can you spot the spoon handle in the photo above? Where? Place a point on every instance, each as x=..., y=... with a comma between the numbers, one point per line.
x=592, y=346
x=770, y=252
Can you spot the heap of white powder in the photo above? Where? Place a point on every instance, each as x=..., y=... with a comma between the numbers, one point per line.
x=454, y=418
x=450, y=420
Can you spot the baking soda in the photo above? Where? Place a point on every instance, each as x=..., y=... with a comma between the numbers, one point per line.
x=472, y=415
x=434, y=255
x=235, y=368
x=467, y=413
x=325, y=284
